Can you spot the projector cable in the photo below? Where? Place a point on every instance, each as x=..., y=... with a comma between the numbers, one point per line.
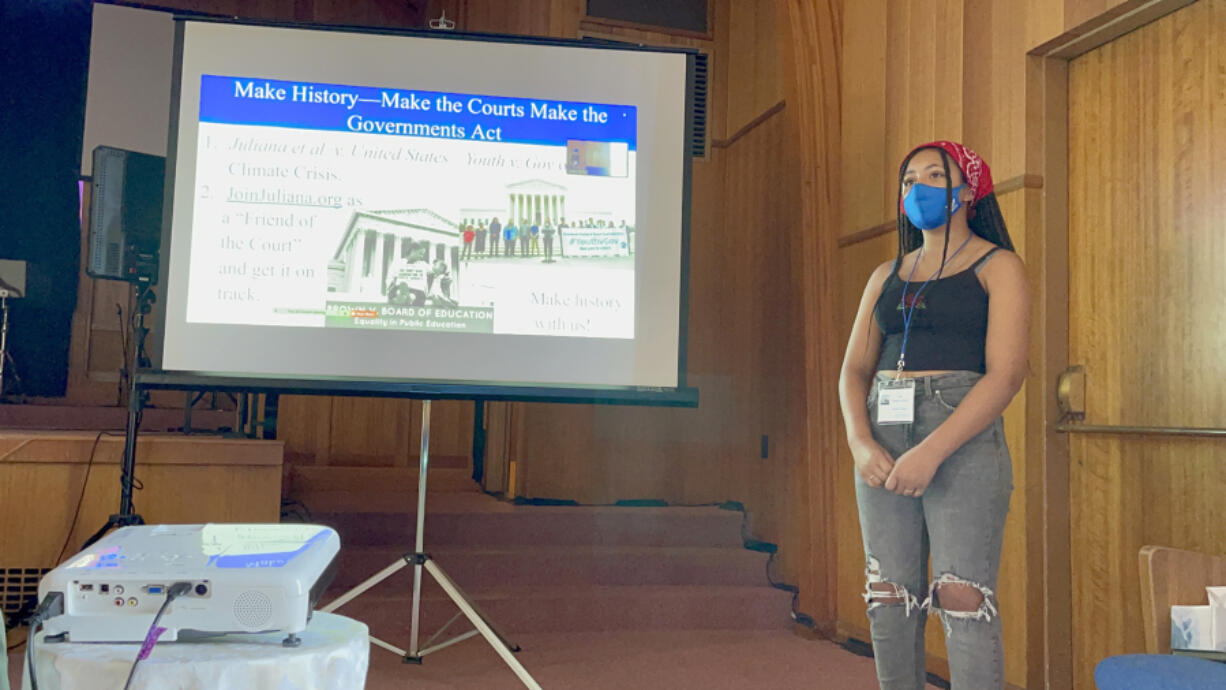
x=51, y=606
x=176, y=590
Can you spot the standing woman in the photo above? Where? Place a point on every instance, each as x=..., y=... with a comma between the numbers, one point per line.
x=938, y=350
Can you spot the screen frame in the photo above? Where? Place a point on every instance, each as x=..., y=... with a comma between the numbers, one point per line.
x=156, y=378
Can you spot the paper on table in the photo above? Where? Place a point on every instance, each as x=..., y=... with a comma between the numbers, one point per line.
x=1190, y=627
x=1217, y=617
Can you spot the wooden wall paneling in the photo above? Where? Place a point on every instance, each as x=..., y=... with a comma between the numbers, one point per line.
x=304, y=423
x=217, y=494
x=1044, y=20
x=813, y=66
x=759, y=167
x=915, y=107
x=373, y=431
x=368, y=13
x=717, y=74
x=866, y=172
x=753, y=78
x=554, y=449
x=565, y=16
x=1013, y=583
x=994, y=106
x=945, y=119
x=186, y=479
x=1078, y=12
x=979, y=79
x=496, y=477
x=1005, y=145
x=451, y=430
x=898, y=75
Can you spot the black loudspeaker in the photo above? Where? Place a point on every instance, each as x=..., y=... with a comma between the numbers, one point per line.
x=125, y=215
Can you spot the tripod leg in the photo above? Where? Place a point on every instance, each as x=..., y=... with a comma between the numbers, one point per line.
x=367, y=584
x=480, y=623
x=489, y=621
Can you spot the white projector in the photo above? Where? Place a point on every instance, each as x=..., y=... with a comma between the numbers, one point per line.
x=243, y=578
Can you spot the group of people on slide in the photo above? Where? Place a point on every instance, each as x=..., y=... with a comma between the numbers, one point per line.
x=492, y=238
x=418, y=281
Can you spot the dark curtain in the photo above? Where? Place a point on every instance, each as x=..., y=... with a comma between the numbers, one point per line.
x=42, y=115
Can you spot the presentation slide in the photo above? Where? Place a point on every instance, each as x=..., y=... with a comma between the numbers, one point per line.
x=356, y=206
x=441, y=208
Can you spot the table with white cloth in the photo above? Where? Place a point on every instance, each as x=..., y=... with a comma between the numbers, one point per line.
x=334, y=655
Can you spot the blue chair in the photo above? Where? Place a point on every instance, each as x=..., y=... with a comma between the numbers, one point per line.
x=1159, y=672
x=1168, y=577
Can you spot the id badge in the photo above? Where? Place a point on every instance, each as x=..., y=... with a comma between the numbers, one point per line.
x=896, y=401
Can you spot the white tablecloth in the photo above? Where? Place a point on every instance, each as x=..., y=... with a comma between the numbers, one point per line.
x=334, y=655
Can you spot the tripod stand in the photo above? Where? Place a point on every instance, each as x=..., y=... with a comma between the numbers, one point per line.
x=419, y=560
x=137, y=397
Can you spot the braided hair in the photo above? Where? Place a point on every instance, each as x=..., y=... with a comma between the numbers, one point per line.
x=984, y=219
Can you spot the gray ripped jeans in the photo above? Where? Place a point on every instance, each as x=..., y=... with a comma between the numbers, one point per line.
x=960, y=520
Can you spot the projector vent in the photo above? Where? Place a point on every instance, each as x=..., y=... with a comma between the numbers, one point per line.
x=252, y=609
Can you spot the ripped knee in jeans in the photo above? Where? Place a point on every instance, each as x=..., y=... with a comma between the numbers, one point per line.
x=955, y=598
x=880, y=592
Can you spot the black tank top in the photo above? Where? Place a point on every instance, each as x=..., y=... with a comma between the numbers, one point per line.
x=949, y=328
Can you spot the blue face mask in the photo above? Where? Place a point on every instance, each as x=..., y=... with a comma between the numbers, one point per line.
x=925, y=205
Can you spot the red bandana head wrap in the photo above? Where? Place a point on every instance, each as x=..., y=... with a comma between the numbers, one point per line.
x=975, y=171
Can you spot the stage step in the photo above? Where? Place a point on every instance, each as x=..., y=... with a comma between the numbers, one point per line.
x=543, y=608
x=327, y=489
x=512, y=526
x=538, y=568
x=591, y=565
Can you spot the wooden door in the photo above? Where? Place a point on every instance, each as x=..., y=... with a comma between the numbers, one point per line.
x=1147, y=287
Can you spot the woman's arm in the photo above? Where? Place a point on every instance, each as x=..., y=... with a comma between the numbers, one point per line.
x=1006, y=364
x=859, y=366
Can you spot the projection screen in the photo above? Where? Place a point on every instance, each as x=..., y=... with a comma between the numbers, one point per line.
x=411, y=207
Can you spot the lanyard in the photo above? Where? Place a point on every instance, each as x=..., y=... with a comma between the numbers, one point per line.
x=909, y=313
